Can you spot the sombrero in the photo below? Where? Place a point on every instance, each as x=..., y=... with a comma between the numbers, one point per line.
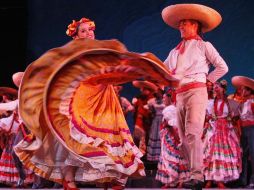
x=239, y=81
x=17, y=78
x=145, y=84
x=8, y=90
x=208, y=17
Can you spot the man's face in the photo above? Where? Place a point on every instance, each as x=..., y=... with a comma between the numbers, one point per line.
x=246, y=92
x=188, y=28
x=239, y=90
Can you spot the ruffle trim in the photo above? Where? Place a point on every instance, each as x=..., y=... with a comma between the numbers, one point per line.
x=118, y=150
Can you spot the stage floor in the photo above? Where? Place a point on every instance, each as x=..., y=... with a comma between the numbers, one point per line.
x=110, y=189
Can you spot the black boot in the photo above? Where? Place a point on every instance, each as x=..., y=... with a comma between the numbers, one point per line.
x=20, y=183
x=193, y=184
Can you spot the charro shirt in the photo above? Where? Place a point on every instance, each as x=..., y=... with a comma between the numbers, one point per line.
x=246, y=113
x=193, y=64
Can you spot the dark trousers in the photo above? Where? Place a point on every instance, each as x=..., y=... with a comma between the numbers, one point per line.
x=18, y=163
x=247, y=143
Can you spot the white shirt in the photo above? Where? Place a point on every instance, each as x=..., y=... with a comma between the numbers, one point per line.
x=8, y=125
x=246, y=113
x=9, y=106
x=193, y=64
x=169, y=115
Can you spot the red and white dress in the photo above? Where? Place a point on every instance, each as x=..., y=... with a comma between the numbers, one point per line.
x=172, y=167
x=8, y=172
x=222, y=151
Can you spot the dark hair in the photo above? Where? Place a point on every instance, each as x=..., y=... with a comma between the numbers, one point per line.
x=9, y=97
x=249, y=89
x=199, y=30
x=76, y=31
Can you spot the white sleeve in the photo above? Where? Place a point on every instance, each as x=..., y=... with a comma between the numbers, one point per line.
x=209, y=108
x=9, y=106
x=169, y=115
x=6, y=123
x=217, y=61
x=170, y=62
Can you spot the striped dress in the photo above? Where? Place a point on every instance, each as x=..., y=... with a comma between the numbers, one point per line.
x=172, y=168
x=222, y=151
x=8, y=172
x=154, y=142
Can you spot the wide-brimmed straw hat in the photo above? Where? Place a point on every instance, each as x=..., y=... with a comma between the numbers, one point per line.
x=145, y=84
x=239, y=81
x=8, y=90
x=17, y=78
x=208, y=17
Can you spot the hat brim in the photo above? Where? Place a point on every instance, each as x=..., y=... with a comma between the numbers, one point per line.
x=145, y=84
x=17, y=78
x=208, y=17
x=239, y=81
x=8, y=90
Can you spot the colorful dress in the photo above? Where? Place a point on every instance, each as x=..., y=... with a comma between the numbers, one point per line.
x=172, y=168
x=222, y=151
x=143, y=121
x=68, y=102
x=8, y=172
x=154, y=142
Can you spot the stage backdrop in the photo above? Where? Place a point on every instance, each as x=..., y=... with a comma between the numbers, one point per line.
x=138, y=24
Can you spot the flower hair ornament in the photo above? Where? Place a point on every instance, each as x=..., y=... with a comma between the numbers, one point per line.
x=72, y=28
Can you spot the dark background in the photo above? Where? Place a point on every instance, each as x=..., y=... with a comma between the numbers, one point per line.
x=30, y=28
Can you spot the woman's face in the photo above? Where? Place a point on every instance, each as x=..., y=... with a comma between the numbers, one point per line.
x=166, y=99
x=85, y=31
x=218, y=89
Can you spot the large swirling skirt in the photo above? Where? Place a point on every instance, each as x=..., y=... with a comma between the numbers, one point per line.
x=68, y=103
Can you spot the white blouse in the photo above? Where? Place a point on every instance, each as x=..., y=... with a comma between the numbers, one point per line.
x=169, y=115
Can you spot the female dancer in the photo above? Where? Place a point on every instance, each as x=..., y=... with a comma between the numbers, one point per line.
x=79, y=127
x=222, y=151
x=12, y=171
x=172, y=167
